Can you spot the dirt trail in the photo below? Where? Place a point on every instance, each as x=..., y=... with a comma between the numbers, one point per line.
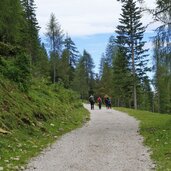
x=109, y=142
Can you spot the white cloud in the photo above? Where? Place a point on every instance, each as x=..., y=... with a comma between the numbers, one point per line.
x=84, y=17
x=78, y=17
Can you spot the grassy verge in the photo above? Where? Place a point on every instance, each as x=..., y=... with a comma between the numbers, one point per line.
x=34, y=120
x=156, y=129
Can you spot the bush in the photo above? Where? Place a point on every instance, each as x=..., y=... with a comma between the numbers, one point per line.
x=17, y=67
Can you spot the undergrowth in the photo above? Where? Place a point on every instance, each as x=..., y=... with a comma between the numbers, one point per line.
x=31, y=121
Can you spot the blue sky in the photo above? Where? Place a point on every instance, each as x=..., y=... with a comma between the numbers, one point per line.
x=94, y=44
x=90, y=23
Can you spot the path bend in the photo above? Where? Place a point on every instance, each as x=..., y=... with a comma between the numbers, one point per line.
x=108, y=142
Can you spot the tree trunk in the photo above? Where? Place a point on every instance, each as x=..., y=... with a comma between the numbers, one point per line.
x=134, y=77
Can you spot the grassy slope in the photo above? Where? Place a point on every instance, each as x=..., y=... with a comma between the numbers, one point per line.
x=156, y=128
x=34, y=120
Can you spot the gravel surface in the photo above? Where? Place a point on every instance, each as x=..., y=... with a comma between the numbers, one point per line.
x=109, y=142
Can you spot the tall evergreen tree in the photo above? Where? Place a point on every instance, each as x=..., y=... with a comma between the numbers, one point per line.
x=102, y=61
x=80, y=83
x=130, y=37
x=89, y=66
x=162, y=79
x=55, y=37
x=111, y=50
x=73, y=52
x=32, y=42
x=11, y=22
x=84, y=75
x=64, y=69
x=121, y=80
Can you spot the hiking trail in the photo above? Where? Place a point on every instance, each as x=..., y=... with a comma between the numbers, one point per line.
x=110, y=141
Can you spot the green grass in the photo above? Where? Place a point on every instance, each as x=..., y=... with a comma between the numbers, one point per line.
x=156, y=129
x=35, y=120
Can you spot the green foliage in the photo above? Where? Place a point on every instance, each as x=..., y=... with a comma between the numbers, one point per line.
x=11, y=21
x=130, y=39
x=16, y=66
x=35, y=119
x=83, y=82
x=157, y=133
x=122, y=89
x=8, y=50
x=72, y=50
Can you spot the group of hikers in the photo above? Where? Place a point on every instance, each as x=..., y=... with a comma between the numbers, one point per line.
x=106, y=101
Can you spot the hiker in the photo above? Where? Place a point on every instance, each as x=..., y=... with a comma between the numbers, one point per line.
x=92, y=101
x=99, y=100
x=108, y=101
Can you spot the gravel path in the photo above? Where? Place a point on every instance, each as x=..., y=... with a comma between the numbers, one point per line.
x=109, y=142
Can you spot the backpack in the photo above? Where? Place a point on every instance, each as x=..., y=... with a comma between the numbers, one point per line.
x=99, y=100
x=91, y=99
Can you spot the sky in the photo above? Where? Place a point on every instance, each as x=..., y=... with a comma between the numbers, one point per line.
x=89, y=23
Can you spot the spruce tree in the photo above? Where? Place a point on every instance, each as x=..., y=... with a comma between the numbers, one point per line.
x=73, y=52
x=121, y=80
x=80, y=83
x=32, y=42
x=84, y=76
x=111, y=50
x=64, y=69
x=130, y=38
x=11, y=22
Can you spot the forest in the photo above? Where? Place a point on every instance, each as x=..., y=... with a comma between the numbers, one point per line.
x=123, y=70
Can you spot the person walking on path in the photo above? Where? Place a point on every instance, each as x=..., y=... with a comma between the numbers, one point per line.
x=99, y=100
x=92, y=101
x=109, y=104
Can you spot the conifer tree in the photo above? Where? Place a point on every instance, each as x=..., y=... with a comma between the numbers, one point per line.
x=32, y=42
x=55, y=37
x=11, y=22
x=111, y=50
x=64, y=69
x=80, y=83
x=121, y=80
x=84, y=76
x=130, y=37
x=73, y=52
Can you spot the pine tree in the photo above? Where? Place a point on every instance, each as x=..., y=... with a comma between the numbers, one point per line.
x=73, y=52
x=55, y=36
x=111, y=50
x=64, y=69
x=11, y=22
x=121, y=80
x=106, y=79
x=162, y=79
x=102, y=61
x=32, y=42
x=89, y=66
x=130, y=38
x=80, y=83
x=42, y=67
x=84, y=76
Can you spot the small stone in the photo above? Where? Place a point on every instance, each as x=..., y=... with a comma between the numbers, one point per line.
x=52, y=124
x=22, y=168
